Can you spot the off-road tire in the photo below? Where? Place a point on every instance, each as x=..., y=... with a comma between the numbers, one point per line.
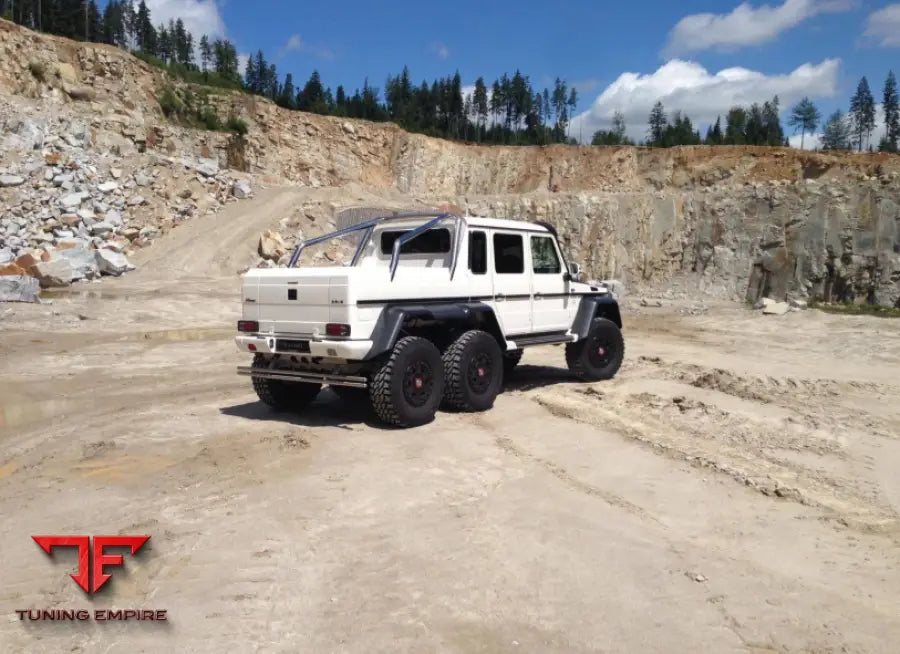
x=473, y=369
x=511, y=360
x=599, y=355
x=283, y=395
x=396, y=397
x=350, y=393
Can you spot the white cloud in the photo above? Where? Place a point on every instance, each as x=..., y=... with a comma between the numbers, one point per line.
x=703, y=96
x=296, y=44
x=243, y=58
x=293, y=43
x=200, y=16
x=814, y=141
x=441, y=50
x=745, y=25
x=883, y=26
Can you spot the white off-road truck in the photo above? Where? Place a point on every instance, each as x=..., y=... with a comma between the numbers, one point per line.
x=432, y=311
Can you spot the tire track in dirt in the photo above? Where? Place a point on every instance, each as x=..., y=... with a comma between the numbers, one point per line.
x=710, y=437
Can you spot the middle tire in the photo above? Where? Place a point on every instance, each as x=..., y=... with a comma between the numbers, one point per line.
x=407, y=389
x=473, y=368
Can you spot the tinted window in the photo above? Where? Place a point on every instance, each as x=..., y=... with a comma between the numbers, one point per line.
x=543, y=255
x=509, y=254
x=434, y=241
x=478, y=252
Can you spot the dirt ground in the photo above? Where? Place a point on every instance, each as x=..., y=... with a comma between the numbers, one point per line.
x=734, y=489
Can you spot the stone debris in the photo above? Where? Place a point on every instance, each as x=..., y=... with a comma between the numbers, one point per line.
x=271, y=246
x=776, y=309
x=112, y=263
x=241, y=189
x=11, y=180
x=70, y=209
x=19, y=288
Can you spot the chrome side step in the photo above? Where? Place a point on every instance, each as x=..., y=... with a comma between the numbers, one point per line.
x=547, y=339
x=297, y=376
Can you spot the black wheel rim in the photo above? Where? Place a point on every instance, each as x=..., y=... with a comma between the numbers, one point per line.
x=479, y=373
x=600, y=351
x=418, y=382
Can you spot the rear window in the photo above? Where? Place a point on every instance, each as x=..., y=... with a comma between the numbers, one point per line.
x=434, y=241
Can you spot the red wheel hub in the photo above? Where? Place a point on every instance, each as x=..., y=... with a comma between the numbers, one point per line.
x=481, y=372
x=601, y=350
x=418, y=383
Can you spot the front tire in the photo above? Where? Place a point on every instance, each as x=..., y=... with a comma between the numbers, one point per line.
x=407, y=390
x=282, y=395
x=599, y=355
x=473, y=366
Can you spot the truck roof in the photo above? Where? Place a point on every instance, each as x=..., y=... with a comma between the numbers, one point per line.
x=474, y=221
x=503, y=223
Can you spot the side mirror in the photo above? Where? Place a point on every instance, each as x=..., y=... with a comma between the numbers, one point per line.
x=574, y=269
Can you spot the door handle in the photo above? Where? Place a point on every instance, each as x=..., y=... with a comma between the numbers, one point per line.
x=537, y=295
x=500, y=297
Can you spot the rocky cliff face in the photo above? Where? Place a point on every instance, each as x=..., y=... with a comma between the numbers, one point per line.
x=735, y=222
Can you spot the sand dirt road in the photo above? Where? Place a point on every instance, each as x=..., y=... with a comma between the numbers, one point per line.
x=734, y=489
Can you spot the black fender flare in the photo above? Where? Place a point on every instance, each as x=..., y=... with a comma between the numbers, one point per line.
x=387, y=328
x=595, y=306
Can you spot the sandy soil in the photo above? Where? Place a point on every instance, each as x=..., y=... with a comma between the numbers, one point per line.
x=734, y=489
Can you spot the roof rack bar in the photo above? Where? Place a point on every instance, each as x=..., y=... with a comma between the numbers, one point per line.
x=353, y=228
x=408, y=236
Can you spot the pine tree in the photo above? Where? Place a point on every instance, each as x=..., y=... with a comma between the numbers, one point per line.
x=657, y=124
x=836, y=132
x=891, y=108
x=287, y=93
x=805, y=117
x=735, y=126
x=862, y=113
x=480, y=100
x=145, y=33
x=164, y=43
x=205, y=53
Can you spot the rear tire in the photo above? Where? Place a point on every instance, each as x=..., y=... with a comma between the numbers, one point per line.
x=473, y=367
x=599, y=355
x=407, y=390
x=282, y=395
x=511, y=360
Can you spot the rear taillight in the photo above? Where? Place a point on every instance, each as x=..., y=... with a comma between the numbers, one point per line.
x=336, y=329
x=248, y=326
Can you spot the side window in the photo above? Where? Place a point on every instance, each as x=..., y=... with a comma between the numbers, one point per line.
x=478, y=253
x=509, y=253
x=543, y=255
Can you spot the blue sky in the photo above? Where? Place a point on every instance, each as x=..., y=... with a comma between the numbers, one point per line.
x=621, y=56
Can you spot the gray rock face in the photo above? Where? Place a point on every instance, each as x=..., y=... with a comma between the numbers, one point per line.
x=142, y=180
x=107, y=187
x=19, y=288
x=11, y=180
x=6, y=256
x=750, y=241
